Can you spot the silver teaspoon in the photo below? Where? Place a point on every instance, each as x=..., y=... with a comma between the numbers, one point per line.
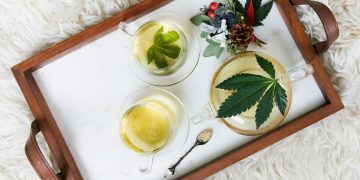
x=202, y=138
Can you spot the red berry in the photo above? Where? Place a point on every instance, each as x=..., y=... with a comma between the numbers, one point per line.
x=211, y=14
x=213, y=6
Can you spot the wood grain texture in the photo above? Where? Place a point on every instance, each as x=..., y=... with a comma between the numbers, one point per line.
x=23, y=74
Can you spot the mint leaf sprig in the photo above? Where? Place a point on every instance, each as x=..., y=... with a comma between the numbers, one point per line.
x=163, y=46
x=250, y=89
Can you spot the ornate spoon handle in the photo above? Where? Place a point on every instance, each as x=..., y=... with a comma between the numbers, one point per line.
x=172, y=168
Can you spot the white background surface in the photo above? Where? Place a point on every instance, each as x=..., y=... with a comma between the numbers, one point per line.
x=84, y=88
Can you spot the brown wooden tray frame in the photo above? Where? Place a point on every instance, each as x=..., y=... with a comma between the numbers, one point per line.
x=65, y=161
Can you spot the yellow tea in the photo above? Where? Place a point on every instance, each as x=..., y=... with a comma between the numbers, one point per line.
x=146, y=127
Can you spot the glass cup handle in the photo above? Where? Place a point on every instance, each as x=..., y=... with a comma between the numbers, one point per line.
x=300, y=72
x=126, y=28
x=206, y=113
x=145, y=163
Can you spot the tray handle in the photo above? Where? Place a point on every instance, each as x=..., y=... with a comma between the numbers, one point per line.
x=35, y=156
x=328, y=21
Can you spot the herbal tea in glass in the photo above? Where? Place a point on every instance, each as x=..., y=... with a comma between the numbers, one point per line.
x=148, y=125
x=145, y=127
x=244, y=90
x=160, y=47
x=152, y=122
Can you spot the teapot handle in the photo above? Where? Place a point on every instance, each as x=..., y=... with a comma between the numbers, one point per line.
x=300, y=72
x=328, y=21
x=206, y=113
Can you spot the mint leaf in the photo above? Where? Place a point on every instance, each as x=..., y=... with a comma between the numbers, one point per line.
x=212, y=50
x=280, y=98
x=160, y=60
x=239, y=81
x=163, y=48
x=241, y=101
x=159, y=33
x=264, y=107
x=167, y=38
x=171, y=51
x=265, y=65
x=150, y=54
x=198, y=19
x=262, y=12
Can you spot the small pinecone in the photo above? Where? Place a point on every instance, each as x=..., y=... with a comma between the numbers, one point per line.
x=241, y=34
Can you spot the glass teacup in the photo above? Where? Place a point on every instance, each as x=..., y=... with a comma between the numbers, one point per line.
x=165, y=48
x=153, y=122
x=244, y=123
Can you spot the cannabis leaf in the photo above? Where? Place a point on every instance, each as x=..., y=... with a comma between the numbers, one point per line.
x=238, y=6
x=265, y=65
x=264, y=107
x=256, y=4
x=239, y=81
x=250, y=89
x=163, y=47
x=261, y=12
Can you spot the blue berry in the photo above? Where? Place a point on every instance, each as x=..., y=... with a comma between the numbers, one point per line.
x=231, y=19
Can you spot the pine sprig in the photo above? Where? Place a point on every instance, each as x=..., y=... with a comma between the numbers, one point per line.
x=250, y=89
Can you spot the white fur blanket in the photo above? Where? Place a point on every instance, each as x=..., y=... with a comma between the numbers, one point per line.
x=329, y=149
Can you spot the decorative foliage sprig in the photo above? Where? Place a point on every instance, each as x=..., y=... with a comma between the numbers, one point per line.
x=230, y=25
x=250, y=89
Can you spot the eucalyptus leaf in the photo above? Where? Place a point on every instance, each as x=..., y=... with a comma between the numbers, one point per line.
x=198, y=19
x=212, y=50
x=220, y=11
x=204, y=34
x=210, y=41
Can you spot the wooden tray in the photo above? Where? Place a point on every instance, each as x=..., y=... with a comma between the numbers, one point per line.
x=31, y=75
